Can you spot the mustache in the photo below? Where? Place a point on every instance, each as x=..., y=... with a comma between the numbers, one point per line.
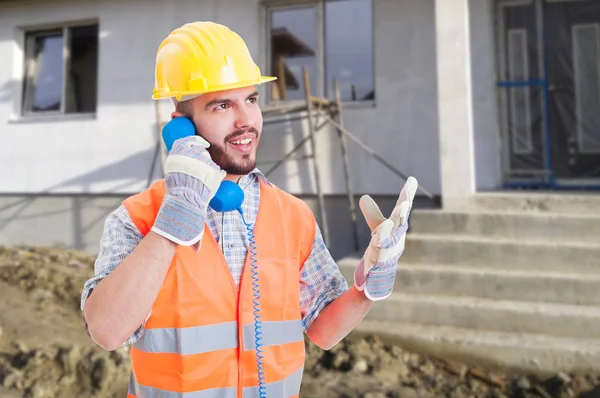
x=238, y=133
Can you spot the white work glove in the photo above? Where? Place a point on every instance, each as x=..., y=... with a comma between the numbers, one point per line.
x=376, y=272
x=191, y=181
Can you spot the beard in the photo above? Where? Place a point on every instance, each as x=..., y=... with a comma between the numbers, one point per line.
x=226, y=162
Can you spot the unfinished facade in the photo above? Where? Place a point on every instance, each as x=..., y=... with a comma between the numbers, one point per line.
x=466, y=96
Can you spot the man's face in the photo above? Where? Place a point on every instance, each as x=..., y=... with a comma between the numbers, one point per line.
x=231, y=121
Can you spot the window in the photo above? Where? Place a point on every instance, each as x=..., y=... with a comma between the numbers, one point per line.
x=61, y=71
x=333, y=39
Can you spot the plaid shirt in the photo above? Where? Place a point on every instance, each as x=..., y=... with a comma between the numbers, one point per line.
x=321, y=281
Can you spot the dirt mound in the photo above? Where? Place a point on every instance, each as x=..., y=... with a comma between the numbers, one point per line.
x=369, y=368
x=49, y=274
x=64, y=371
x=45, y=353
x=360, y=369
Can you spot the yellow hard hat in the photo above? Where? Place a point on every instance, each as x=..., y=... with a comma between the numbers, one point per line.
x=203, y=57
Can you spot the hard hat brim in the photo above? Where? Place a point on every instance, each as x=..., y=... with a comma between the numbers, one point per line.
x=163, y=94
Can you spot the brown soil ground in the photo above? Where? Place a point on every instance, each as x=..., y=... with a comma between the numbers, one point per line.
x=44, y=352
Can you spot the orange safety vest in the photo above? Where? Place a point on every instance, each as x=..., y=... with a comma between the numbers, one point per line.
x=199, y=341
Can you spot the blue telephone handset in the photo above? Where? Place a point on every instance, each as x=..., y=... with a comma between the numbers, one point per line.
x=228, y=197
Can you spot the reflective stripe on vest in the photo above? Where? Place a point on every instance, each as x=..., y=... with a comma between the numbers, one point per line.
x=201, y=339
x=288, y=387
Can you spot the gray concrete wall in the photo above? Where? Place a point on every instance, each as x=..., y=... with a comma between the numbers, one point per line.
x=65, y=221
x=487, y=140
x=470, y=147
x=111, y=152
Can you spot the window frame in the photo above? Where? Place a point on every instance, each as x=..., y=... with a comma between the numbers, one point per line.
x=29, y=35
x=320, y=52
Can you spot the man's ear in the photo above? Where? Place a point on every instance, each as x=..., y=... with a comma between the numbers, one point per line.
x=175, y=114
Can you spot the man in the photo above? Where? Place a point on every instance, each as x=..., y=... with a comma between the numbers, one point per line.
x=173, y=277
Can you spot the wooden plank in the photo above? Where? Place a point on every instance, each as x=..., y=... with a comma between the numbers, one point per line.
x=313, y=145
x=339, y=118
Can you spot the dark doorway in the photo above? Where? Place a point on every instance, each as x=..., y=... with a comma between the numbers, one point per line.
x=549, y=90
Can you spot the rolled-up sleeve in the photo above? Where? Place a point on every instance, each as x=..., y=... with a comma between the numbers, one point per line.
x=119, y=237
x=321, y=281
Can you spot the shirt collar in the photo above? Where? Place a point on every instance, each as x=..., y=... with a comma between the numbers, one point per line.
x=254, y=174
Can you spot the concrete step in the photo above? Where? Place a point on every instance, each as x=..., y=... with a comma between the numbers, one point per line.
x=521, y=285
x=561, y=320
x=540, y=354
x=501, y=253
x=513, y=225
x=561, y=202
x=500, y=284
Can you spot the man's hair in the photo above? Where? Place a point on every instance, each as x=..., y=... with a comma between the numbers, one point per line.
x=184, y=107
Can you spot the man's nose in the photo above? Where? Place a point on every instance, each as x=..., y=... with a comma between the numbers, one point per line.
x=244, y=118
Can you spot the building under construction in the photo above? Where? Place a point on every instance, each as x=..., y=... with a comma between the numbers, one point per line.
x=475, y=98
x=465, y=98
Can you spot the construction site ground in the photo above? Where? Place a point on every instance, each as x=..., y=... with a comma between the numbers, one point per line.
x=44, y=352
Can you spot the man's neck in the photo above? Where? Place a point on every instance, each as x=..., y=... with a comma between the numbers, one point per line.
x=232, y=177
